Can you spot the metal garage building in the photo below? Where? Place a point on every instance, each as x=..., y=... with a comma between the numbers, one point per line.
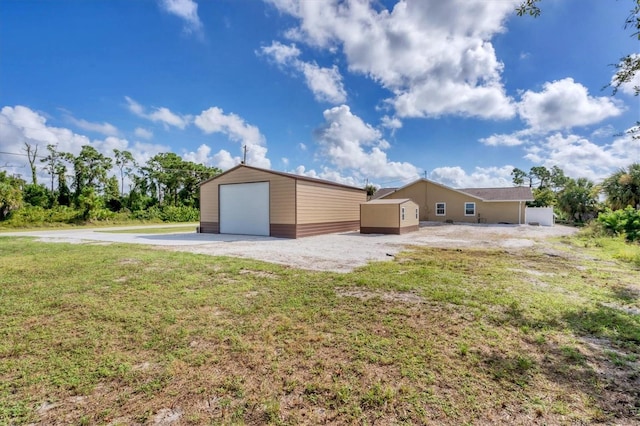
x=252, y=201
x=389, y=216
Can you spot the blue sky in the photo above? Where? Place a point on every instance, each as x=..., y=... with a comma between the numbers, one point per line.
x=351, y=91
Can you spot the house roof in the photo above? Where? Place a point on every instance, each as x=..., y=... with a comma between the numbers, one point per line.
x=289, y=175
x=515, y=193
x=382, y=192
x=389, y=201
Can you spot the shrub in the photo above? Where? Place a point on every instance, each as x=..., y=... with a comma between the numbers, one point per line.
x=37, y=216
x=180, y=214
x=622, y=222
x=152, y=213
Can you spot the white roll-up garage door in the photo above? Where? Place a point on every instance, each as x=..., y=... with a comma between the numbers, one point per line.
x=244, y=208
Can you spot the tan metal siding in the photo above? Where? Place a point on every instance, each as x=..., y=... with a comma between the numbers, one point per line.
x=281, y=197
x=209, y=203
x=318, y=203
x=380, y=215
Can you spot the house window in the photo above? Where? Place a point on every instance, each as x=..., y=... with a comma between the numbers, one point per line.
x=469, y=209
x=441, y=209
x=402, y=213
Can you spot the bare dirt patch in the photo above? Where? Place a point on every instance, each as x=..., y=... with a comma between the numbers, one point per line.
x=335, y=252
x=347, y=251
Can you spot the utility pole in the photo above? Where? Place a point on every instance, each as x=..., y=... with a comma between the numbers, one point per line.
x=425, y=174
x=244, y=157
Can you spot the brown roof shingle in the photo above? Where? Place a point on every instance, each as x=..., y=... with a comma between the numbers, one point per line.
x=516, y=193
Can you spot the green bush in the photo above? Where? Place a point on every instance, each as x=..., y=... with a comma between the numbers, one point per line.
x=152, y=213
x=622, y=222
x=180, y=214
x=38, y=216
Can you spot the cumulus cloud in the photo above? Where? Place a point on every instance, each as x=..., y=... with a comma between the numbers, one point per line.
x=214, y=120
x=519, y=137
x=564, y=104
x=581, y=157
x=162, y=115
x=187, y=10
x=392, y=123
x=481, y=177
x=325, y=83
x=329, y=174
x=435, y=57
x=353, y=146
x=143, y=133
x=201, y=155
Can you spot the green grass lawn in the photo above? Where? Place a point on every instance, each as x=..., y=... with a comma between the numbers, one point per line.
x=123, y=334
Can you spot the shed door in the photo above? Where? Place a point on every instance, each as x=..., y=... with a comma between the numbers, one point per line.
x=244, y=208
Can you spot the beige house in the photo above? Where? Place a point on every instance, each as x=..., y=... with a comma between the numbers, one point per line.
x=252, y=201
x=389, y=216
x=439, y=202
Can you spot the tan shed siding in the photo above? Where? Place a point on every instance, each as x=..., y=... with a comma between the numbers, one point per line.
x=318, y=203
x=410, y=220
x=281, y=194
x=380, y=215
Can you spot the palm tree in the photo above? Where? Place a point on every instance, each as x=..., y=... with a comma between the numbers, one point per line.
x=623, y=188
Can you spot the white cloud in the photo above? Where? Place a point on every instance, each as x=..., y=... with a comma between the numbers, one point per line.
x=481, y=177
x=302, y=146
x=352, y=145
x=105, y=128
x=187, y=10
x=434, y=56
x=564, y=104
x=143, y=133
x=520, y=137
x=224, y=160
x=200, y=156
x=163, y=115
x=214, y=120
x=392, y=123
x=281, y=53
x=325, y=83
x=285, y=161
x=328, y=174
x=580, y=157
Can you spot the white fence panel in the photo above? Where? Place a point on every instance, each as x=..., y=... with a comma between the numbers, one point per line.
x=539, y=215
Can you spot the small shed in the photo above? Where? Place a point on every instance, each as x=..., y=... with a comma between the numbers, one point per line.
x=389, y=216
x=253, y=201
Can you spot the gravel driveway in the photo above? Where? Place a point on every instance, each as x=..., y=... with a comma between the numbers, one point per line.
x=334, y=252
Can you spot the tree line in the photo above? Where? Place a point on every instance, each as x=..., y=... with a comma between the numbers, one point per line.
x=85, y=187
x=580, y=200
